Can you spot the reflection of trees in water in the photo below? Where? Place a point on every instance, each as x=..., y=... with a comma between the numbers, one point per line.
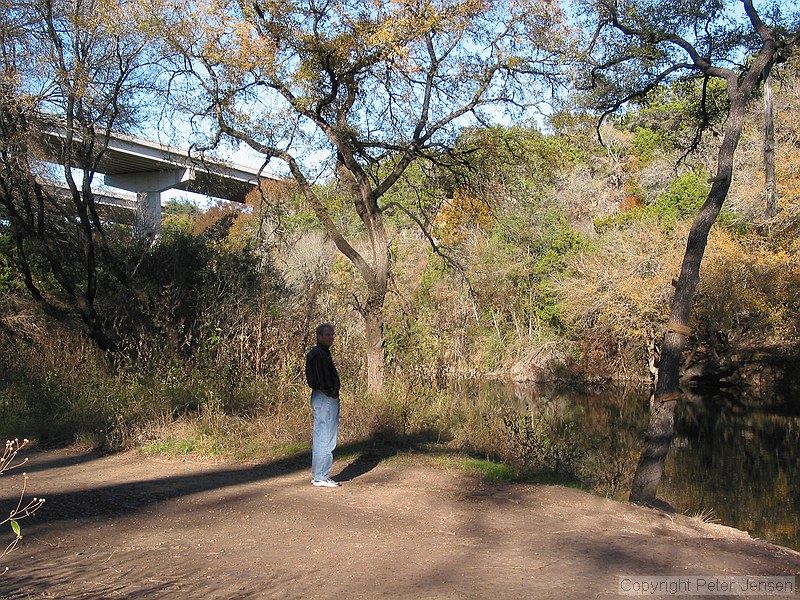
x=740, y=463
x=736, y=453
x=591, y=435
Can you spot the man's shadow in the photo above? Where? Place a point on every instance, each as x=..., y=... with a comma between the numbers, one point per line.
x=378, y=448
x=364, y=463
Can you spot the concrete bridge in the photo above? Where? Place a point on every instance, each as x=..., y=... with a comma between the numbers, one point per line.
x=148, y=168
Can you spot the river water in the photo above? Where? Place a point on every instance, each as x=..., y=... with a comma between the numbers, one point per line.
x=735, y=458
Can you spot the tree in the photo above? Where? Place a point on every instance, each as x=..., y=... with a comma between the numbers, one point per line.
x=358, y=90
x=636, y=47
x=71, y=69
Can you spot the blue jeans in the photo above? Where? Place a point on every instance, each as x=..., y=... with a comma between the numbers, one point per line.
x=326, y=430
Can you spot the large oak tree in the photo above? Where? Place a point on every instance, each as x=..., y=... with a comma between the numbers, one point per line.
x=358, y=90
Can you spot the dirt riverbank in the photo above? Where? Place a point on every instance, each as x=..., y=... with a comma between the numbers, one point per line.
x=127, y=526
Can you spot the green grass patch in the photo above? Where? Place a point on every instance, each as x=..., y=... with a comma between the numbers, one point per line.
x=290, y=449
x=170, y=447
x=502, y=472
x=493, y=470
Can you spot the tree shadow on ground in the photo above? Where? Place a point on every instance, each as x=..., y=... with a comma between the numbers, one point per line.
x=31, y=460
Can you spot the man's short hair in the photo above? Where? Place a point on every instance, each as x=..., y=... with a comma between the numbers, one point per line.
x=324, y=327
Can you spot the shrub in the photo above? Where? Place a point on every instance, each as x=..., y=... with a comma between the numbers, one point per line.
x=23, y=508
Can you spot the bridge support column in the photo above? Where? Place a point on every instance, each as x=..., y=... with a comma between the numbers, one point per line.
x=148, y=187
x=148, y=215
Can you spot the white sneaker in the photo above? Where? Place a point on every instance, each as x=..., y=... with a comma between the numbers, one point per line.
x=325, y=482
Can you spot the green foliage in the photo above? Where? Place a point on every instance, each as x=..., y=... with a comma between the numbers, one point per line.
x=206, y=294
x=683, y=198
x=420, y=190
x=669, y=116
x=212, y=362
x=649, y=142
x=213, y=327
x=519, y=159
x=527, y=252
x=180, y=207
x=9, y=278
x=680, y=202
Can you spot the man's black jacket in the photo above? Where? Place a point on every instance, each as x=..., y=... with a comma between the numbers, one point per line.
x=321, y=373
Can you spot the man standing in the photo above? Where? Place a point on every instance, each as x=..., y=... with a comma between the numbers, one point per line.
x=323, y=379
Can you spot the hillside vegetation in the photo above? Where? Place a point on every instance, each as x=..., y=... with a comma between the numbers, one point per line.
x=553, y=260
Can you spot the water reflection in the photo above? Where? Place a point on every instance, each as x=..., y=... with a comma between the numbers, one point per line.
x=734, y=458
x=739, y=463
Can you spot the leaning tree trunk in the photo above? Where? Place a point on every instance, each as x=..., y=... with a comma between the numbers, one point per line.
x=662, y=413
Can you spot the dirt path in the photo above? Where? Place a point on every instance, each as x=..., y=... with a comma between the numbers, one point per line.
x=125, y=526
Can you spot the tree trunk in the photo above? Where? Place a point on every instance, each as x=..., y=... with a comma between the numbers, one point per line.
x=373, y=309
x=660, y=430
x=374, y=273
x=376, y=355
